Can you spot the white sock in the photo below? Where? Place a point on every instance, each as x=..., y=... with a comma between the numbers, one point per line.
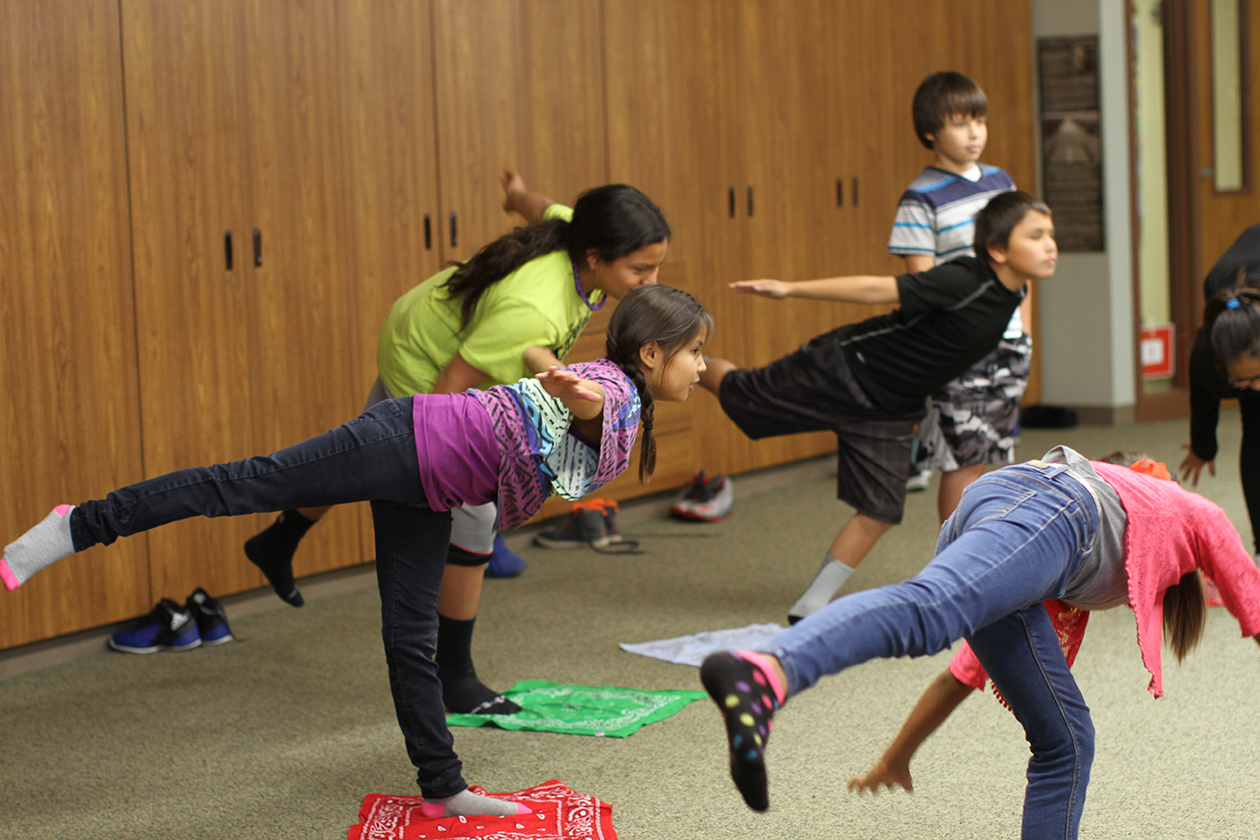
x=830, y=578
x=469, y=804
x=43, y=545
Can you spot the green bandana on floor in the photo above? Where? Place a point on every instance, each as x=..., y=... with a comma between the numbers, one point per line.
x=603, y=711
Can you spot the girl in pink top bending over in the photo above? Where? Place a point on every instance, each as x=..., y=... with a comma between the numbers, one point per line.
x=1090, y=535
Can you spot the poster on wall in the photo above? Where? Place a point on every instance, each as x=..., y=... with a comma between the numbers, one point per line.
x=1071, y=151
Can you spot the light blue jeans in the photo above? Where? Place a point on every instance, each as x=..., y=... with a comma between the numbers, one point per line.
x=1015, y=540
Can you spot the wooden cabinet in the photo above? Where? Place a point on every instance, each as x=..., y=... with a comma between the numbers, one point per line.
x=70, y=422
x=518, y=83
x=233, y=117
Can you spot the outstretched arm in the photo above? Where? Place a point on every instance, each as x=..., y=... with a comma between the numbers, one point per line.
x=584, y=398
x=893, y=769
x=519, y=199
x=858, y=289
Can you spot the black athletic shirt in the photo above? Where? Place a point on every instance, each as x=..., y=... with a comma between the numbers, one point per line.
x=950, y=317
x=1208, y=383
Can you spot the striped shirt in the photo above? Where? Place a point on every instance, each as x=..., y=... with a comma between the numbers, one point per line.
x=936, y=216
x=540, y=455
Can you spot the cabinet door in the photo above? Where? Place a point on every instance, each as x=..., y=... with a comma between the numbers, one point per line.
x=302, y=367
x=392, y=221
x=519, y=83
x=672, y=124
x=71, y=426
x=187, y=134
x=234, y=113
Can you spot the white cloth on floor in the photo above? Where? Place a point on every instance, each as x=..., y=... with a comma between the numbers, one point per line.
x=691, y=650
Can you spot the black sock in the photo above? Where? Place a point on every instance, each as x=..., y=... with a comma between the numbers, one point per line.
x=462, y=692
x=745, y=695
x=272, y=551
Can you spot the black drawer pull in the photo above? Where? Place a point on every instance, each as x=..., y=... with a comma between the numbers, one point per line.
x=454, y=231
x=227, y=249
x=428, y=233
x=257, y=247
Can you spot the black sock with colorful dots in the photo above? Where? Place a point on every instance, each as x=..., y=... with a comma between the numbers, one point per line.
x=747, y=692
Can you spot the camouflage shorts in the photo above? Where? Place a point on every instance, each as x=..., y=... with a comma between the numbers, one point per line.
x=972, y=420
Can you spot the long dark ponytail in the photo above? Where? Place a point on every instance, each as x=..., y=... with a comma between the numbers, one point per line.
x=1185, y=608
x=614, y=220
x=1231, y=321
x=662, y=314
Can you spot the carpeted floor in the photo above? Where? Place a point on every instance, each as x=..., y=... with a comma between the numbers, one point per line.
x=281, y=734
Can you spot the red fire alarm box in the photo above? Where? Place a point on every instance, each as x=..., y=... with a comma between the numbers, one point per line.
x=1157, y=351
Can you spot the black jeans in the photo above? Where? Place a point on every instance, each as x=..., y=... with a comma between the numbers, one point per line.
x=372, y=458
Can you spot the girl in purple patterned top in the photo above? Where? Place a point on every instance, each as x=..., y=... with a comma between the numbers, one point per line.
x=568, y=430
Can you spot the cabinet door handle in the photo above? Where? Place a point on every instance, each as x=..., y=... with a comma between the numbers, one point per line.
x=454, y=230
x=730, y=200
x=855, y=191
x=227, y=249
x=750, y=200
x=428, y=233
x=257, y=247
x=839, y=192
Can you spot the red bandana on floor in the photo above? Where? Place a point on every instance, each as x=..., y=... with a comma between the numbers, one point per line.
x=559, y=813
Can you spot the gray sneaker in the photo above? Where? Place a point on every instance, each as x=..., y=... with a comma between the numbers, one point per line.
x=706, y=500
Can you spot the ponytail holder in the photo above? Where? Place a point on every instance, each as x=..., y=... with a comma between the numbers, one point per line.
x=647, y=425
x=1232, y=303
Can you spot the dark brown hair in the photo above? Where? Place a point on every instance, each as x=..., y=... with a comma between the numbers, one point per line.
x=662, y=314
x=1185, y=610
x=941, y=96
x=1000, y=216
x=614, y=220
x=1231, y=321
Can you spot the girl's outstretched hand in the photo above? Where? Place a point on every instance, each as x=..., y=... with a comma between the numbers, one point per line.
x=883, y=775
x=774, y=289
x=567, y=385
x=1193, y=465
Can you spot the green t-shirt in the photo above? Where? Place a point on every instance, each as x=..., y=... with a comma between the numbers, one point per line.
x=536, y=304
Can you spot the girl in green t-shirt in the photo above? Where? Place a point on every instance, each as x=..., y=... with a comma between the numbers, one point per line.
x=468, y=326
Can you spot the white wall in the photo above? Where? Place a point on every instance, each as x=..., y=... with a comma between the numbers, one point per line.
x=1086, y=310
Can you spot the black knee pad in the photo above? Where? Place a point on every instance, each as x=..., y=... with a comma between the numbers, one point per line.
x=457, y=556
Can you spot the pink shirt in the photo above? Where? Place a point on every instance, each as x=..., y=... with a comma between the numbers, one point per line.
x=1170, y=532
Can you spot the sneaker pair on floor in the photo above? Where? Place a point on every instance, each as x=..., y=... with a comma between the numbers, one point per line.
x=706, y=500
x=593, y=523
x=200, y=621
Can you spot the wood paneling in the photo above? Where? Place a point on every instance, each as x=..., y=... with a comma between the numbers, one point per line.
x=391, y=185
x=70, y=417
x=518, y=83
x=230, y=107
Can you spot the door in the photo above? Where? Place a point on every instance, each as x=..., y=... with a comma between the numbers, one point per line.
x=234, y=112
x=71, y=420
x=518, y=83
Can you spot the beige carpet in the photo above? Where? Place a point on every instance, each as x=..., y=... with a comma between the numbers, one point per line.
x=281, y=734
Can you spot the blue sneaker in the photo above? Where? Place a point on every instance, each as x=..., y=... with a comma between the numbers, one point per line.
x=504, y=562
x=212, y=621
x=168, y=627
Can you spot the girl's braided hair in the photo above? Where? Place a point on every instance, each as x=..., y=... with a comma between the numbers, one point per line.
x=667, y=316
x=614, y=220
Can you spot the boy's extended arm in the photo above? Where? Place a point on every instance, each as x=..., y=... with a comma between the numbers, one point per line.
x=893, y=769
x=857, y=289
x=519, y=199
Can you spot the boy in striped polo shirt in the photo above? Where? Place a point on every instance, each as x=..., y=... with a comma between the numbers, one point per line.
x=971, y=422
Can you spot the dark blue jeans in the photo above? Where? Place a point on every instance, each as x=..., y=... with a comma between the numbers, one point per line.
x=372, y=458
x=1015, y=540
